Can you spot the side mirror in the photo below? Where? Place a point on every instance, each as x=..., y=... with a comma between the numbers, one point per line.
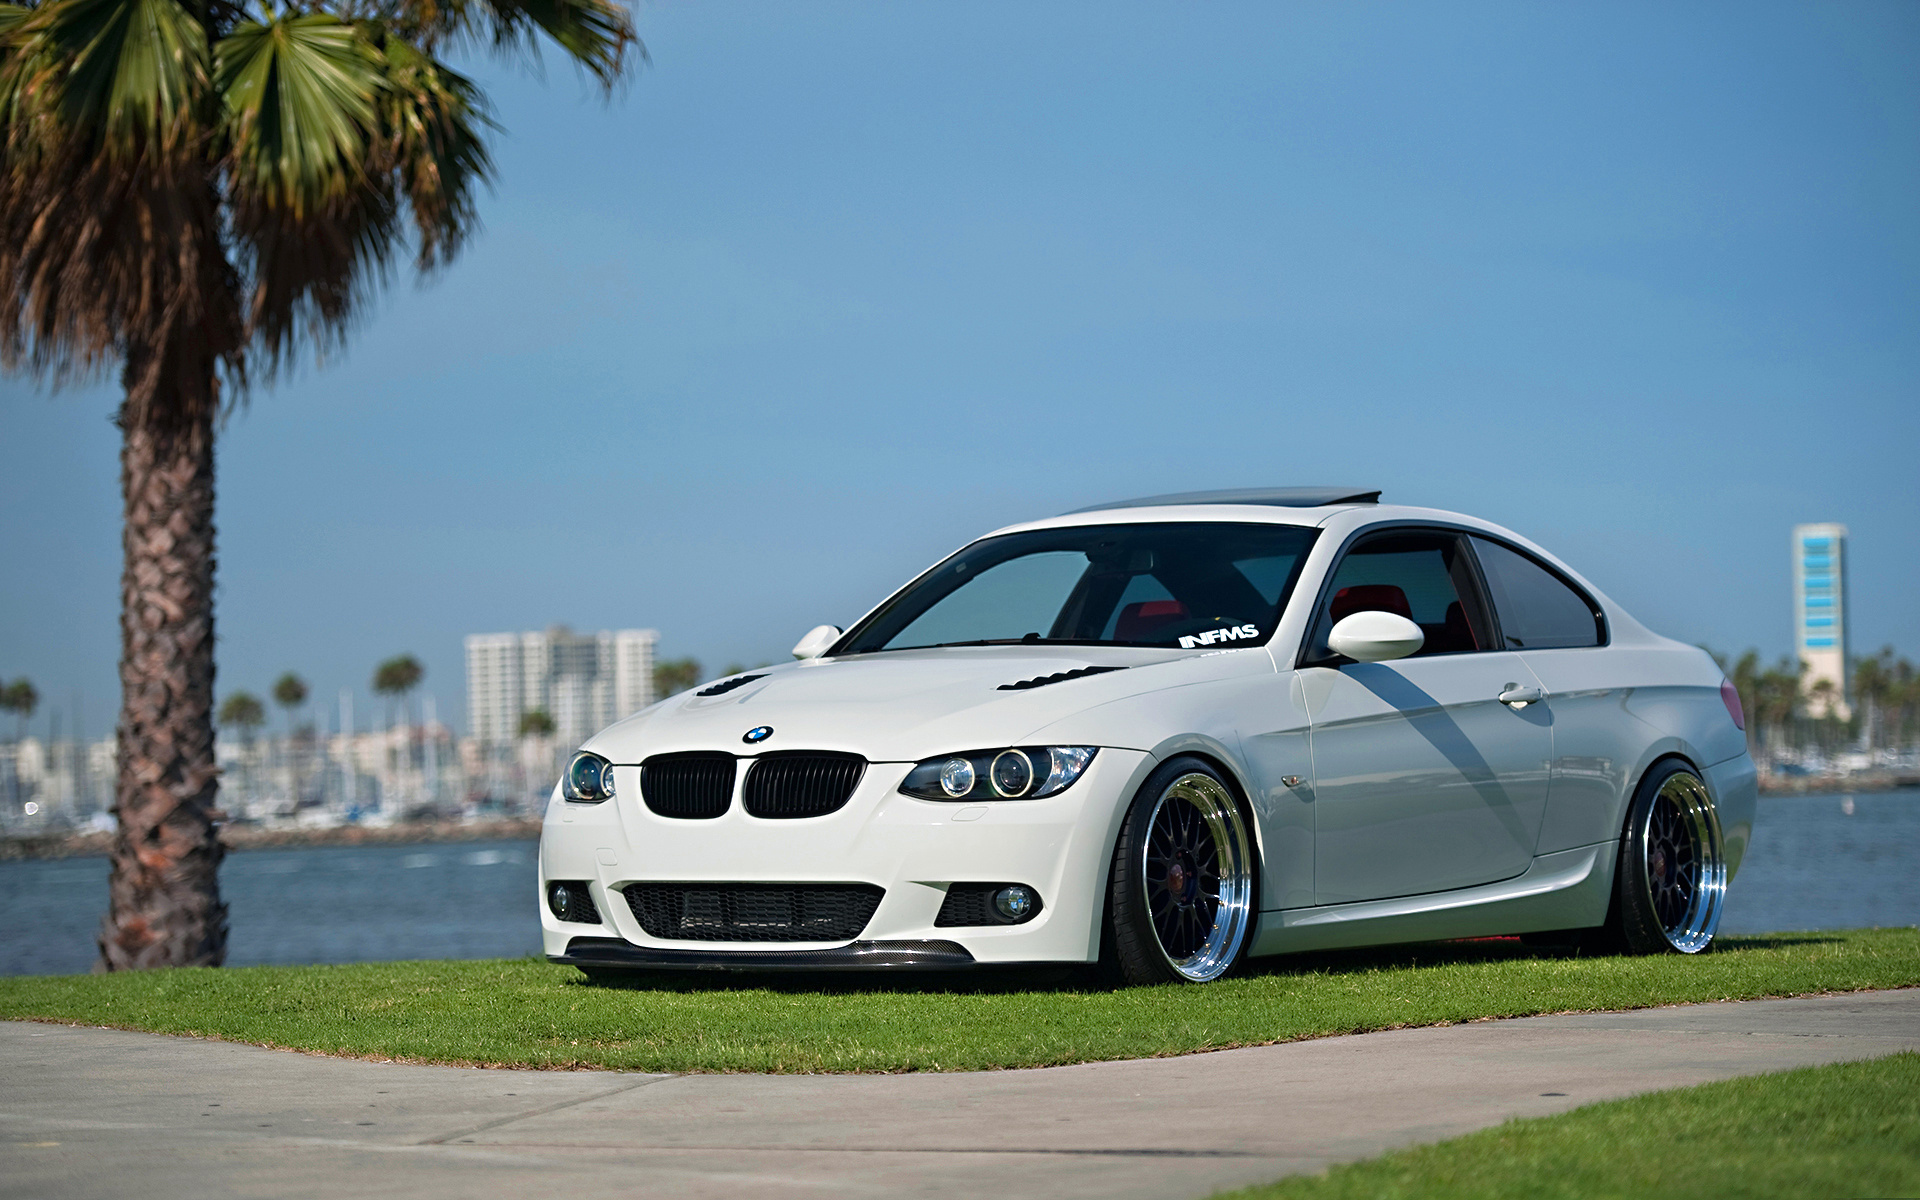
x=1375, y=637
x=818, y=639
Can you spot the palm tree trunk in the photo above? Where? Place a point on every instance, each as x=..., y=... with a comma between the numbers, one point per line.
x=164, y=904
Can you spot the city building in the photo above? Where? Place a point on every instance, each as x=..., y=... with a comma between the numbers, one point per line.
x=583, y=681
x=1820, y=617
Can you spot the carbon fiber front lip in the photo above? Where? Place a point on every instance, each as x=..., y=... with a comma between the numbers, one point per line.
x=859, y=956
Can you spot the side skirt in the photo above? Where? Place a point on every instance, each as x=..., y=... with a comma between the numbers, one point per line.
x=1568, y=889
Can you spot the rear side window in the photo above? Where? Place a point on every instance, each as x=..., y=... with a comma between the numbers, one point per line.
x=1538, y=610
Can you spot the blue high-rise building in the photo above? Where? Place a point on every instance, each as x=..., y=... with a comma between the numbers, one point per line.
x=1820, y=615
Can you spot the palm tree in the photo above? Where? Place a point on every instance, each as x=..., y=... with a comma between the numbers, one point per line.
x=20, y=698
x=193, y=191
x=675, y=675
x=1873, y=684
x=396, y=678
x=243, y=711
x=290, y=693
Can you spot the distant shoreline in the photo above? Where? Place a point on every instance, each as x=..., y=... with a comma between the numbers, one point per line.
x=1838, y=785
x=253, y=837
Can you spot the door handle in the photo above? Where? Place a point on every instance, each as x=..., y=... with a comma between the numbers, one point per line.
x=1520, y=697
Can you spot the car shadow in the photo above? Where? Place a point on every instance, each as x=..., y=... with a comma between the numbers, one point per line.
x=1089, y=979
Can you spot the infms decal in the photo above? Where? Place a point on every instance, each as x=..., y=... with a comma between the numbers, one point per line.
x=1214, y=637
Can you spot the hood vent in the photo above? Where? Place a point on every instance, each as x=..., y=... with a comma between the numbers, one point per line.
x=727, y=685
x=1062, y=677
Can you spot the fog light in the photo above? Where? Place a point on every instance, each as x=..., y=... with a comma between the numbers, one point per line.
x=1014, y=903
x=558, y=894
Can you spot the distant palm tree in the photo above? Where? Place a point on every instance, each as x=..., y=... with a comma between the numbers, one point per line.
x=396, y=678
x=535, y=722
x=191, y=191
x=20, y=698
x=290, y=692
x=1873, y=684
x=675, y=675
x=244, y=712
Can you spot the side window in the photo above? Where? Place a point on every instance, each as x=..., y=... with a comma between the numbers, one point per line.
x=1538, y=610
x=1424, y=577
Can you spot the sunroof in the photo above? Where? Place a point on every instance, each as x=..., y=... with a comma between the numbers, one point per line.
x=1293, y=497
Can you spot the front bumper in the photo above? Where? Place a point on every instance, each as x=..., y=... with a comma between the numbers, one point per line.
x=911, y=848
x=591, y=953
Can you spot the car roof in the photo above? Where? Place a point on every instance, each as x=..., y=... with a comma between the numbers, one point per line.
x=1280, y=497
x=1341, y=518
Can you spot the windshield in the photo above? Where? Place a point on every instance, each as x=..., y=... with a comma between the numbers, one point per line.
x=1174, y=585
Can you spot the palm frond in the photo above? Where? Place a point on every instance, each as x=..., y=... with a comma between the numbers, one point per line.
x=101, y=255
x=300, y=96
x=109, y=214
x=134, y=71
x=435, y=122
x=597, y=34
x=332, y=137
x=308, y=272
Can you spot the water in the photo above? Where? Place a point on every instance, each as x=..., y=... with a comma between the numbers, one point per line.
x=1839, y=861
x=1817, y=862
x=314, y=904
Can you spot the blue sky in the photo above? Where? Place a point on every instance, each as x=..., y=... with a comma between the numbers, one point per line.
x=832, y=288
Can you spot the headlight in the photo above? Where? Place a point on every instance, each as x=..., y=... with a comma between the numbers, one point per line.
x=1013, y=773
x=589, y=779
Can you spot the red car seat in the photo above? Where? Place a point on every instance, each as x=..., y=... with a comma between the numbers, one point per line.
x=1370, y=597
x=1138, y=621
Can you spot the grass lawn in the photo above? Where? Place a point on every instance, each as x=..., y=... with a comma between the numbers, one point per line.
x=528, y=1013
x=1846, y=1130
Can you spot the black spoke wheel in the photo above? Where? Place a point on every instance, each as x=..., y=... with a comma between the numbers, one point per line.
x=1672, y=874
x=1180, y=906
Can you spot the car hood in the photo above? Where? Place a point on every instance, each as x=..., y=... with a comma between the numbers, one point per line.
x=903, y=706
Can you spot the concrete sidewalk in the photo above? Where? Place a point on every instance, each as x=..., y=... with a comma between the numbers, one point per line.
x=92, y=1112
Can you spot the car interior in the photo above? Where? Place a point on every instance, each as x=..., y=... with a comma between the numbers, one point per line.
x=1425, y=577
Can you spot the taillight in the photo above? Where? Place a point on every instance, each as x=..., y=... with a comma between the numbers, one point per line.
x=1730, y=696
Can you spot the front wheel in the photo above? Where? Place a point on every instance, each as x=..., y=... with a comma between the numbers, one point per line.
x=1672, y=876
x=1180, y=899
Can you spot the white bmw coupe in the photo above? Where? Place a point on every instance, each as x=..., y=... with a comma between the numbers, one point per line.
x=1166, y=735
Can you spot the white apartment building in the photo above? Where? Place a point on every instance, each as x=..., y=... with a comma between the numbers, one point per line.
x=584, y=681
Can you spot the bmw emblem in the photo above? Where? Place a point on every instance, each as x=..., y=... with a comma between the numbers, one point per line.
x=758, y=734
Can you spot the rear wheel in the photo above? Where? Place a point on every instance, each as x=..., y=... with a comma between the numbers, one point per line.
x=1180, y=901
x=1672, y=876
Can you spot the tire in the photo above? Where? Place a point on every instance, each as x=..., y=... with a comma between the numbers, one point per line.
x=1672, y=875
x=1181, y=893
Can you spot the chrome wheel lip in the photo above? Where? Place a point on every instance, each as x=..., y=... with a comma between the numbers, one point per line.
x=1234, y=915
x=1694, y=930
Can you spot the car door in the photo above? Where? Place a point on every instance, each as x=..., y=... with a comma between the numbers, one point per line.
x=1424, y=779
x=1560, y=633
